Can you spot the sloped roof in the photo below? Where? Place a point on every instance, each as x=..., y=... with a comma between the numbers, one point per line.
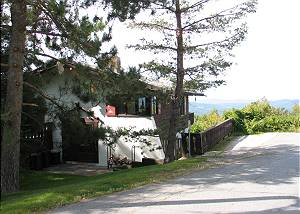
x=157, y=84
x=166, y=85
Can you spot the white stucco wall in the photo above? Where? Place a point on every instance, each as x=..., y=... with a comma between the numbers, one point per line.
x=124, y=148
x=65, y=98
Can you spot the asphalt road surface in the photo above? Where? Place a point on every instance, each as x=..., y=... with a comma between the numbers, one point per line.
x=258, y=174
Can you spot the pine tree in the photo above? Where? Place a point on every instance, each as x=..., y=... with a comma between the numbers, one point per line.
x=33, y=30
x=194, y=47
x=10, y=146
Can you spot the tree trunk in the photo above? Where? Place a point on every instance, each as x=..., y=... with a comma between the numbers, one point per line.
x=172, y=133
x=10, y=144
x=175, y=107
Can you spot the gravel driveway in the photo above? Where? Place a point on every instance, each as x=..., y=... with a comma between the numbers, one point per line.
x=259, y=174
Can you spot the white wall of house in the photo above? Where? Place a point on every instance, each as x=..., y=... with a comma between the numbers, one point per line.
x=60, y=89
x=102, y=153
x=124, y=147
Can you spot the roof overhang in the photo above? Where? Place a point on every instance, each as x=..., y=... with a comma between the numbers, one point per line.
x=189, y=93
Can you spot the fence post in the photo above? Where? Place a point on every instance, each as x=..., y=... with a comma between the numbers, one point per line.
x=133, y=153
x=189, y=127
x=201, y=143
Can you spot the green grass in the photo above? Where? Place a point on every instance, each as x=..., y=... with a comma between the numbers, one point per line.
x=41, y=191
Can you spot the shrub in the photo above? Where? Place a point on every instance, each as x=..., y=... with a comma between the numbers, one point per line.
x=76, y=132
x=238, y=118
x=260, y=116
x=275, y=123
x=257, y=117
x=207, y=121
x=296, y=111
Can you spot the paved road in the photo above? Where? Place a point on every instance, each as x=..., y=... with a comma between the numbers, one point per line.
x=260, y=174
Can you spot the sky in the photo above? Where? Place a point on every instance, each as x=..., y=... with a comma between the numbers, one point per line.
x=266, y=63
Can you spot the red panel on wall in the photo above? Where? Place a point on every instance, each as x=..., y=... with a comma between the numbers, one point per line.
x=91, y=121
x=110, y=111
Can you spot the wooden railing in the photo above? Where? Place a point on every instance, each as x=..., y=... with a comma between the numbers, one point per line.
x=206, y=140
x=214, y=135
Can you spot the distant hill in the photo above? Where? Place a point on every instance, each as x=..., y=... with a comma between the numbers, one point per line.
x=205, y=106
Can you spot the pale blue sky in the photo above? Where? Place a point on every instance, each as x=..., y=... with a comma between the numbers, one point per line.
x=267, y=63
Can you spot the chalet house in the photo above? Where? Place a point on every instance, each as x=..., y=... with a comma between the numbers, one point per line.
x=145, y=112
x=149, y=112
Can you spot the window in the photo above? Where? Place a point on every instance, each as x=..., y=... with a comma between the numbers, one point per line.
x=154, y=105
x=142, y=105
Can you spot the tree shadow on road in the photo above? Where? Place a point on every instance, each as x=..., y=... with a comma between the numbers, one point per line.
x=268, y=167
x=111, y=206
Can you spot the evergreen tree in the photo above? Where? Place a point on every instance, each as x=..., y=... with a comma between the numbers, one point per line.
x=53, y=29
x=10, y=144
x=194, y=47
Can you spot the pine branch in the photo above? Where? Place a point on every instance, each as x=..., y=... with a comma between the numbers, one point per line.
x=54, y=58
x=44, y=95
x=37, y=121
x=161, y=69
x=194, y=5
x=46, y=55
x=44, y=8
x=219, y=14
x=162, y=6
x=152, y=26
x=47, y=33
x=152, y=47
x=39, y=70
x=212, y=43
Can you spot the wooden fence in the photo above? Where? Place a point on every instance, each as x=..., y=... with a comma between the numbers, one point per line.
x=35, y=142
x=38, y=140
x=204, y=141
x=214, y=135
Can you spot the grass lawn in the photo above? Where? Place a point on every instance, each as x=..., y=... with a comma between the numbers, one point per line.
x=41, y=191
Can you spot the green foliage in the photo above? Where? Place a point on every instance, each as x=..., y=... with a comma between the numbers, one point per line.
x=260, y=116
x=55, y=29
x=60, y=29
x=127, y=86
x=275, y=123
x=238, y=117
x=203, y=60
x=296, y=110
x=33, y=116
x=125, y=9
x=257, y=117
x=76, y=132
x=206, y=121
x=33, y=109
x=130, y=135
